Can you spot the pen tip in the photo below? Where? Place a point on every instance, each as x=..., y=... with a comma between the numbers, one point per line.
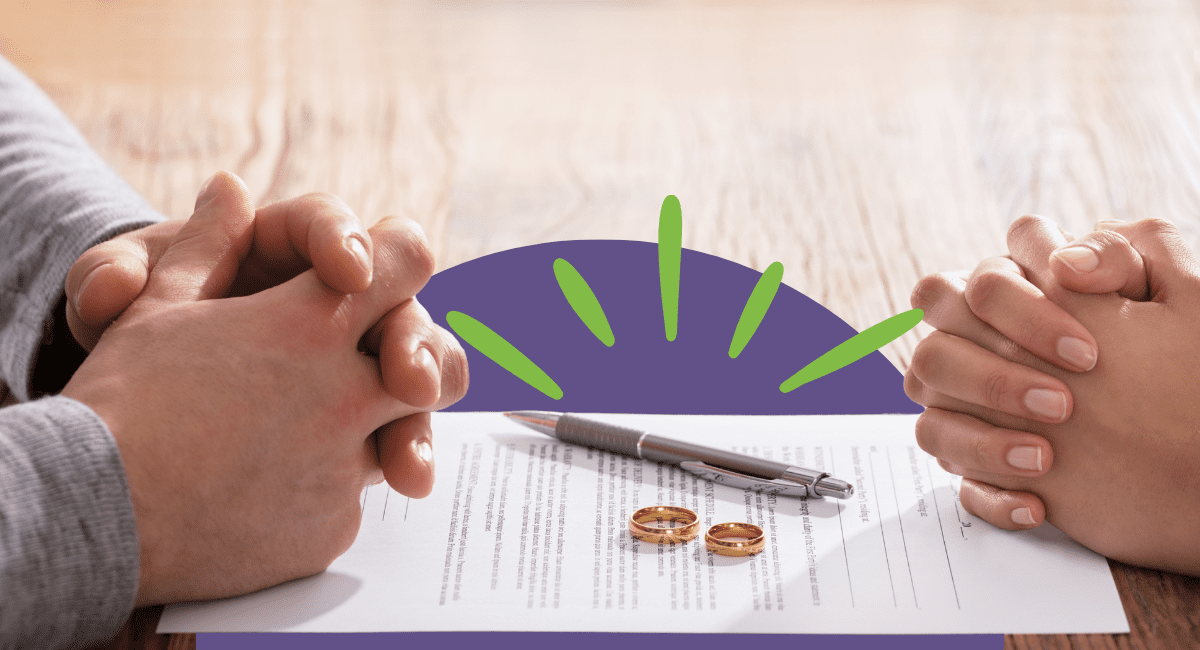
x=538, y=420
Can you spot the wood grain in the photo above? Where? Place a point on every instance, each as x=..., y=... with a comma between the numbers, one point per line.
x=862, y=144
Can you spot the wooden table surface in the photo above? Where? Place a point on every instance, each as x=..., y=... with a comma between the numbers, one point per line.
x=861, y=144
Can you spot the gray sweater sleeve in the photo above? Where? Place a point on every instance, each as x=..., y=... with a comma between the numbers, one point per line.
x=68, y=540
x=57, y=199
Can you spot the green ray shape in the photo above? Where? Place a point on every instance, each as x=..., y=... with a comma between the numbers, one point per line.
x=854, y=348
x=670, y=251
x=493, y=346
x=756, y=308
x=577, y=292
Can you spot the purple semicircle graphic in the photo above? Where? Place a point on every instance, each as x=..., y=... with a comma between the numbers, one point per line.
x=516, y=294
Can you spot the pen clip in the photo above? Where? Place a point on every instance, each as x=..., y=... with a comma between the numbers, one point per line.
x=745, y=481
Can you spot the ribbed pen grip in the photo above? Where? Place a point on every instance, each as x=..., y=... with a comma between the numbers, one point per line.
x=598, y=435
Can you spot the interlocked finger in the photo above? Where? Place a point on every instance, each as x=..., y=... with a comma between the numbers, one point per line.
x=1007, y=509
x=977, y=445
x=943, y=299
x=999, y=295
x=1031, y=239
x=423, y=365
x=406, y=454
x=989, y=380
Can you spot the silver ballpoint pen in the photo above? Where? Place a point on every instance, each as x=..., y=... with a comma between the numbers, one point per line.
x=718, y=466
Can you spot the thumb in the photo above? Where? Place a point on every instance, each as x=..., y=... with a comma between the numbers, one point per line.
x=1169, y=266
x=109, y=276
x=99, y=291
x=203, y=258
x=1101, y=262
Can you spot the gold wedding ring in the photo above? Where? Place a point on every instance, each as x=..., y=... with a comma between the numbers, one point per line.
x=752, y=543
x=688, y=529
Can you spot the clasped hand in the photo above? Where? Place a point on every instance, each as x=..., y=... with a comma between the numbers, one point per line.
x=1063, y=384
x=249, y=425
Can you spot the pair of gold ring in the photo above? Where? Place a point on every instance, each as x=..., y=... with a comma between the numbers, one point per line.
x=750, y=540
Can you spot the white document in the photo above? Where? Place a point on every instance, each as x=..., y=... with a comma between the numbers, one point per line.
x=525, y=533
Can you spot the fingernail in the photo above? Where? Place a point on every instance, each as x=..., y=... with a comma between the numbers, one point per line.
x=1023, y=517
x=1100, y=225
x=1077, y=352
x=418, y=226
x=77, y=299
x=208, y=192
x=1047, y=403
x=425, y=451
x=424, y=358
x=1026, y=457
x=353, y=244
x=1081, y=259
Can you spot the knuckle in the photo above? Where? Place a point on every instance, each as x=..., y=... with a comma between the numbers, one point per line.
x=979, y=451
x=128, y=249
x=108, y=248
x=919, y=365
x=983, y=287
x=456, y=376
x=1024, y=225
x=89, y=261
x=969, y=497
x=413, y=251
x=913, y=387
x=926, y=433
x=324, y=200
x=1011, y=350
x=931, y=290
x=325, y=210
x=986, y=502
x=1102, y=240
x=924, y=358
x=996, y=390
x=1155, y=227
